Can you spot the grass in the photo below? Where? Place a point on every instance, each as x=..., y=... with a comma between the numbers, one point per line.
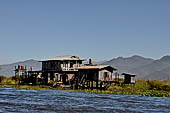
x=145, y=88
x=31, y=87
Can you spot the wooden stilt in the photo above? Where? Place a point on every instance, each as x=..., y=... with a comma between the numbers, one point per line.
x=101, y=85
x=91, y=84
x=97, y=84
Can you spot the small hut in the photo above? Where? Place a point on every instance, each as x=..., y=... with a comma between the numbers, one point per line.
x=129, y=78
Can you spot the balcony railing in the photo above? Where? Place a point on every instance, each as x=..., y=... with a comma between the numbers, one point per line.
x=69, y=69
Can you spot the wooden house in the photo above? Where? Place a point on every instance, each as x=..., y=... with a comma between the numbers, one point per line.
x=60, y=68
x=68, y=70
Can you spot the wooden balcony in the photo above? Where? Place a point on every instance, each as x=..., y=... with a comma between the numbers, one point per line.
x=69, y=69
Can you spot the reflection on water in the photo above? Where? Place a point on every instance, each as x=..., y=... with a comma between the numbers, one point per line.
x=46, y=101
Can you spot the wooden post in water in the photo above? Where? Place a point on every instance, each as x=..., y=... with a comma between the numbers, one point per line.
x=88, y=84
x=101, y=85
x=97, y=84
x=91, y=84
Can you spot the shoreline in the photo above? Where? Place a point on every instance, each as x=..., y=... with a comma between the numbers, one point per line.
x=150, y=93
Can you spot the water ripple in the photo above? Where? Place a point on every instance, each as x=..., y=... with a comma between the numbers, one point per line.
x=46, y=101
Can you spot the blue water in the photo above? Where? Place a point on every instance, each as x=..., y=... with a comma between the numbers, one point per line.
x=47, y=101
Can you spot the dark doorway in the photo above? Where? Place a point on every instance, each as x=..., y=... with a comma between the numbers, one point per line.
x=64, y=78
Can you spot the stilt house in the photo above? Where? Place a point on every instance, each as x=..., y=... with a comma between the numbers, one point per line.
x=68, y=70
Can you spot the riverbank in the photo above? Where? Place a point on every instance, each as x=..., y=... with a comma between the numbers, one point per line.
x=112, y=90
x=145, y=88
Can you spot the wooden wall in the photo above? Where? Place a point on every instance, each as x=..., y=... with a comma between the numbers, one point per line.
x=105, y=75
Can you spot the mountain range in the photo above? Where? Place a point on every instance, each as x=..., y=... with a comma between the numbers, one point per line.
x=144, y=68
x=8, y=69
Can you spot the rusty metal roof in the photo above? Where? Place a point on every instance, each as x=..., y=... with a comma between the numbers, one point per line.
x=95, y=67
x=63, y=58
x=129, y=74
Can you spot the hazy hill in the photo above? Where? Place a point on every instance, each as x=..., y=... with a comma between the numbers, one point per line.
x=7, y=70
x=157, y=75
x=159, y=70
x=150, y=69
x=126, y=64
x=145, y=68
x=95, y=62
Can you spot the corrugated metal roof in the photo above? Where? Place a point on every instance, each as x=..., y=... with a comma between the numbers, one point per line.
x=62, y=58
x=130, y=74
x=95, y=67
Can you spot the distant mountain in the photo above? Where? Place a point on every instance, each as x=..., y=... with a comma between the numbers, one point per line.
x=153, y=68
x=100, y=62
x=95, y=62
x=7, y=70
x=145, y=68
x=126, y=64
x=157, y=75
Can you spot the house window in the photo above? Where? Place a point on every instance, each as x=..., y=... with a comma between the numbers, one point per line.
x=64, y=65
x=106, y=75
x=71, y=65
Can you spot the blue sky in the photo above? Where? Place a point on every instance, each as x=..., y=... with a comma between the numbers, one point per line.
x=101, y=29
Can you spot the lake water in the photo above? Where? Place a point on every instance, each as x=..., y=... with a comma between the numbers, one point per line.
x=47, y=101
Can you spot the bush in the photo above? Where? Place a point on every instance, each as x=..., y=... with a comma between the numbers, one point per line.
x=159, y=85
x=7, y=81
x=142, y=85
x=2, y=79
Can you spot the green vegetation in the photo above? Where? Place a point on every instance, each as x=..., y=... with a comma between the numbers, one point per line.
x=144, y=88
x=31, y=87
x=6, y=81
